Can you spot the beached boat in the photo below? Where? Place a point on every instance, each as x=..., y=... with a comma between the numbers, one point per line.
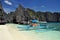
x=34, y=25
x=42, y=22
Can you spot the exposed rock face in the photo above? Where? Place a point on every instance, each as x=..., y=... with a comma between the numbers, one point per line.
x=59, y=17
x=2, y=14
x=27, y=15
x=10, y=17
x=42, y=16
x=21, y=14
x=31, y=13
x=50, y=17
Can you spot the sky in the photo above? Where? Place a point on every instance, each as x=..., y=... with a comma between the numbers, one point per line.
x=37, y=5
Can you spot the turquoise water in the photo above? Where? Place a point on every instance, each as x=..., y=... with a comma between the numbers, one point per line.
x=47, y=31
x=54, y=25
x=49, y=25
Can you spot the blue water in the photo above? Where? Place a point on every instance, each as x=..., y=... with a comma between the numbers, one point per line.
x=48, y=26
x=47, y=31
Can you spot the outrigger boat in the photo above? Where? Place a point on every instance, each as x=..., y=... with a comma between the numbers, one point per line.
x=35, y=24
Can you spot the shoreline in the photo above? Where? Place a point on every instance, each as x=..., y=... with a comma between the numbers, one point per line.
x=32, y=35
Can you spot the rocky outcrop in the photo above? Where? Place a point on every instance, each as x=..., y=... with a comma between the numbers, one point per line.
x=19, y=13
x=2, y=14
x=58, y=17
x=41, y=16
x=32, y=14
x=50, y=17
x=23, y=15
x=10, y=17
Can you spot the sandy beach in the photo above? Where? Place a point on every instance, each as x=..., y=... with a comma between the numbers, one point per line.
x=11, y=32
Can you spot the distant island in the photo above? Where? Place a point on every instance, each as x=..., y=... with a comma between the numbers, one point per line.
x=22, y=15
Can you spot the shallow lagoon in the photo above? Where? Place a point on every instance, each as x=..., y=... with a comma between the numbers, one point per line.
x=40, y=34
x=49, y=31
x=48, y=26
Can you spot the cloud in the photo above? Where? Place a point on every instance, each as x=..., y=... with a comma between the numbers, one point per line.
x=42, y=6
x=7, y=2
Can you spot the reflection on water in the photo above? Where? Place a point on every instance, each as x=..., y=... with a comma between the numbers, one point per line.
x=45, y=26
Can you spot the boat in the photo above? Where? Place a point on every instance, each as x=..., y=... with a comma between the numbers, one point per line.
x=35, y=24
x=42, y=22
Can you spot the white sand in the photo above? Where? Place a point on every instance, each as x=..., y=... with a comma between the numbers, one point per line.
x=4, y=33
x=10, y=32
